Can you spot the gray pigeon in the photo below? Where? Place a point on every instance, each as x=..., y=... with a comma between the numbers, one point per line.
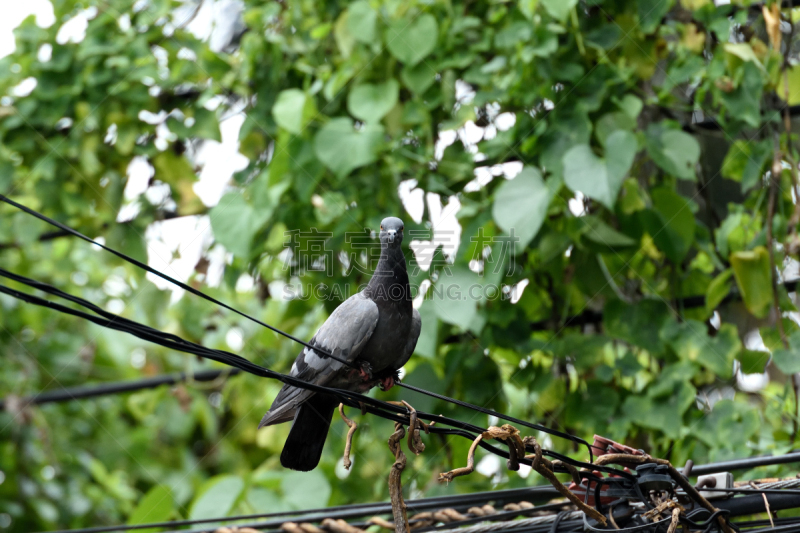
x=376, y=329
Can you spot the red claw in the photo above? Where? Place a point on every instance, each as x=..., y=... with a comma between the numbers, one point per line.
x=387, y=383
x=366, y=376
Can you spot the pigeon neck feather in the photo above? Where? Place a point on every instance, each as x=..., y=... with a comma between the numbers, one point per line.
x=390, y=279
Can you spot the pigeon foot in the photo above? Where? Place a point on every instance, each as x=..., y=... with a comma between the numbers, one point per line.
x=365, y=371
x=387, y=383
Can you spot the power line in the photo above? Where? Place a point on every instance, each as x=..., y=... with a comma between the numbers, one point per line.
x=746, y=464
x=353, y=511
x=147, y=333
x=495, y=521
x=172, y=280
x=353, y=399
x=105, y=389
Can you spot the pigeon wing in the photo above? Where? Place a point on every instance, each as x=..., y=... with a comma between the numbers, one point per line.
x=343, y=334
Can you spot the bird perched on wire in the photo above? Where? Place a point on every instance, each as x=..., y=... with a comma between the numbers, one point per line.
x=376, y=330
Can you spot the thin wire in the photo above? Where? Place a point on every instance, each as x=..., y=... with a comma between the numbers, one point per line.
x=104, y=389
x=350, y=398
x=509, y=418
x=52, y=290
x=172, y=280
x=757, y=491
x=349, y=511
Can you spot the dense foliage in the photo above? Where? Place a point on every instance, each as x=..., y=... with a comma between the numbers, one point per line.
x=652, y=177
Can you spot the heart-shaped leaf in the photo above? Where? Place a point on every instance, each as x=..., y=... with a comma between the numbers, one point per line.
x=235, y=222
x=418, y=78
x=788, y=360
x=520, y=205
x=752, y=272
x=341, y=148
x=600, y=179
x=674, y=151
x=411, y=41
x=293, y=109
x=216, y=497
x=559, y=9
x=156, y=506
x=361, y=19
x=371, y=102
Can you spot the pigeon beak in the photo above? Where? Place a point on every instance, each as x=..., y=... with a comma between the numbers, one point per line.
x=391, y=234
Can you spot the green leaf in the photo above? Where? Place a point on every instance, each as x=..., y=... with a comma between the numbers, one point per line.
x=674, y=151
x=601, y=233
x=206, y=125
x=418, y=78
x=424, y=376
x=690, y=341
x=718, y=289
x=632, y=105
x=744, y=102
x=345, y=40
x=729, y=425
x=330, y=206
x=744, y=52
x=746, y=162
x=235, y=222
x=305, y=490
x=752, y=272
x=638, y=324
x=611, y=122
x=217, y=497
x=342, y=149
x=361, y=20
x=428, y=337
x=794, y=86
x=293, y=110
x=455, y=297
x=600, y=179
x=155, y=506
x=651, y=12
x=520, y=205
x=129, y=240
x=411, y=40
x=731, y=234
x=171, y=168
x=559, y=9
x=753, y=361
x=673, y=228
x=572, y=128
x=371, y=103
x=664, y=414
x=788, y=360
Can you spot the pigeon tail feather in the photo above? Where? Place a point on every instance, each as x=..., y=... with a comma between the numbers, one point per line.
x=303, y=447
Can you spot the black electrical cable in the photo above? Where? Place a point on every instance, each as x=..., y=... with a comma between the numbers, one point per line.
x=351, y=511
x=504, y=417
x=767, y=522
x=172, y=280
x=498, y=516
x=791, y=528
x=196, y=292
x=745, y=464
x=559, y=517
x=349, y=398
x=752, y=490
x=631, y=529
x=83, y=392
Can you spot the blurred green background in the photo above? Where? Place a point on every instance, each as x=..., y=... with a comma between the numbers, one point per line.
x=636, y=150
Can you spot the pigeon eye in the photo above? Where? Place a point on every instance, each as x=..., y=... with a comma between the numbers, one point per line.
x=381, y=226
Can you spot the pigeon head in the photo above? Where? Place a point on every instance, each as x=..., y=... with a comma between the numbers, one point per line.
x=391, y=231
